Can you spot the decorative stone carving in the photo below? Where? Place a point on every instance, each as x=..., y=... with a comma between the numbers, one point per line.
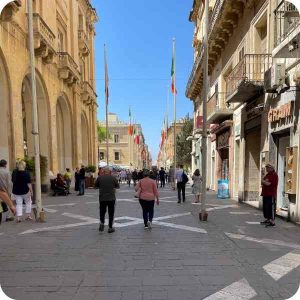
x=67, y=68
x=9, y=11
x=83, y=43
x=44, y=39
x=88, y=94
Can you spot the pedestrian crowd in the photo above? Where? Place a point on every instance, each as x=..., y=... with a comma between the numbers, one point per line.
x=16, y=190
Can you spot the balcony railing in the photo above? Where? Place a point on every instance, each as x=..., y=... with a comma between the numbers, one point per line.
x=88, y=94
x=68, y=69
x=287, y=20
x=217, y=108
x=247, y=78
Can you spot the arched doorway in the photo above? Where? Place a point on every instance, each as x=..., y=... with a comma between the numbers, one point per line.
x=5, y=130
x=43, y=117
x=64, y=134
x=84, y=139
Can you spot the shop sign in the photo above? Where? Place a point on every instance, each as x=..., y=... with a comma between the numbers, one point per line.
x=223, y=140
x=282, y=112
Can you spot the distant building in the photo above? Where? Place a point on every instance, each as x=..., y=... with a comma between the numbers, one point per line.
x=129, y=151
x=166, y=153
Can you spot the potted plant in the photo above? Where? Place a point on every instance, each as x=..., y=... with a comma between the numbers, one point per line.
x=89, y=180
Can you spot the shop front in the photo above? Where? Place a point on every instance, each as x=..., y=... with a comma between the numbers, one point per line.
x=223, y=156
x=252, y=137
x=283, y=147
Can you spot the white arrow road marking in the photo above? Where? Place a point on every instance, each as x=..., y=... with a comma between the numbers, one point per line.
x=132, y=221
x=60, y=205
x=262, y=241
x=283, y=265
x=221, y=207
x=183, y=227
x=50, y=210
x=253, y=223
x=237, y=290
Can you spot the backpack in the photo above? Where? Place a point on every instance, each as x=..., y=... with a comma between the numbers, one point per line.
x=185, y=179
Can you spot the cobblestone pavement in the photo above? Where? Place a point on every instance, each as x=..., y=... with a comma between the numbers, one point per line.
x=229, y=257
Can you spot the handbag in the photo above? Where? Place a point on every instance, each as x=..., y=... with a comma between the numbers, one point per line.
x=138, y=191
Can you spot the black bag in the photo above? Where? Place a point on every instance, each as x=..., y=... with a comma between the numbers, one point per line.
x=185, y=179
x=4, y=207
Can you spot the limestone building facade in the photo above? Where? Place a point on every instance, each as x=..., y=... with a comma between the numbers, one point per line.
x=125, y=150
x=253, y=102
x=64, y=34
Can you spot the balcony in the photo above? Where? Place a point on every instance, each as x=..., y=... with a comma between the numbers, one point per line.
x=68, y=69
x=44, y=39
x=83, y=45
x=9, y=11
x=88, y=94
x=246, y=80
x=217, y=109
x=287, y=34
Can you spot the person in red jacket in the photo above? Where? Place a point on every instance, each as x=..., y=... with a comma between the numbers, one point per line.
x=269, y=192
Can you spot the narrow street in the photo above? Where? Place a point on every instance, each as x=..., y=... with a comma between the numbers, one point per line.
x=231, y=256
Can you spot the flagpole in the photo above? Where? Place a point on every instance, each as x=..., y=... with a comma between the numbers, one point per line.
x=106, y=106
x=174, y=95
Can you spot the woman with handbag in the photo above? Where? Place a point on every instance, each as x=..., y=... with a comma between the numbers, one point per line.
x=147, y=193
x=197, y=182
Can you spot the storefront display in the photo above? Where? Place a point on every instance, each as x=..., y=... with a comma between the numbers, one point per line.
x=291, y=170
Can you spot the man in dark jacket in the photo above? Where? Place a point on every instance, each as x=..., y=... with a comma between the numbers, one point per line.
x=162, y=177
x=81, y=180
x=107, y=185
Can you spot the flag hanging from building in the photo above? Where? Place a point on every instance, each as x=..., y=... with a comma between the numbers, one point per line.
x=106, y=77
x=130, y=127
x=173, y=75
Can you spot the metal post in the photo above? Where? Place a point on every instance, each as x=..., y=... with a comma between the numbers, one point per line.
x=174, y=95
x=203, y=213
x=35, y=125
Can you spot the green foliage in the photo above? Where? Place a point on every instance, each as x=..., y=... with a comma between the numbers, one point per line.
x=90, y=169
x=30, y=166
x=184, y=147
x=102, y=133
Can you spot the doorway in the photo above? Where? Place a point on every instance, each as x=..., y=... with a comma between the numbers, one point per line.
x=282, y=197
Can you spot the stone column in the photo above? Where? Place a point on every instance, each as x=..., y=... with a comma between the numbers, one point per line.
x=76, y=123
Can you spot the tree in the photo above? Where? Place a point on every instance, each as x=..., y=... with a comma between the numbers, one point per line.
x=184, y=147
x=101, y=133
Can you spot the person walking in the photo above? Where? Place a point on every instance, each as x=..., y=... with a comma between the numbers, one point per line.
x=81, y=181
x=107, y=185
x=22, y=190
x=77, y=175
x=197, y=181
x=172, y=177
x=162, y=177
x=68, y=178
x=5, y=186
x=147, y=193
x=182, y=180
x=134, y=177
x=129, y=177
x=269, y=192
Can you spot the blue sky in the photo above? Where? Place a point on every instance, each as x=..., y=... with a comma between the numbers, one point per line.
x=138, y=36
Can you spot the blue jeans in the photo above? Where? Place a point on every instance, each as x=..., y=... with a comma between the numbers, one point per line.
x=81, y=186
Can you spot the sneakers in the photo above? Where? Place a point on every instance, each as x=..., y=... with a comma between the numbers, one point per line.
x=149, y=224
x=146, y=227
x=111, y=230
x=270, y=224
x=101, y=227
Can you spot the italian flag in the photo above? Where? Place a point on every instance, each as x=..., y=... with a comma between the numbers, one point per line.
x=173, y=75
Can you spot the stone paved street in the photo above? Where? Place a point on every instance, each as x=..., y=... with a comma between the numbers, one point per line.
x=229, y=257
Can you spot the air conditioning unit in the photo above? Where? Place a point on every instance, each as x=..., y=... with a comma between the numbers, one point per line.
x=274, y=77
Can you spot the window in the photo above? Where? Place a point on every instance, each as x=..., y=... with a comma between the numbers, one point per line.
x=116, y=138
x=117, y=155
x=101, y=155
x=60, y=39
x=241, y=54
x=80, y=21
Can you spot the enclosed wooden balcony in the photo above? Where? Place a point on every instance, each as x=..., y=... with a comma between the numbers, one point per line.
x=287, y=34
x=217, y=109
x=83, y=43
x=246, y=80
x=44, y=39
x=68, y=69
